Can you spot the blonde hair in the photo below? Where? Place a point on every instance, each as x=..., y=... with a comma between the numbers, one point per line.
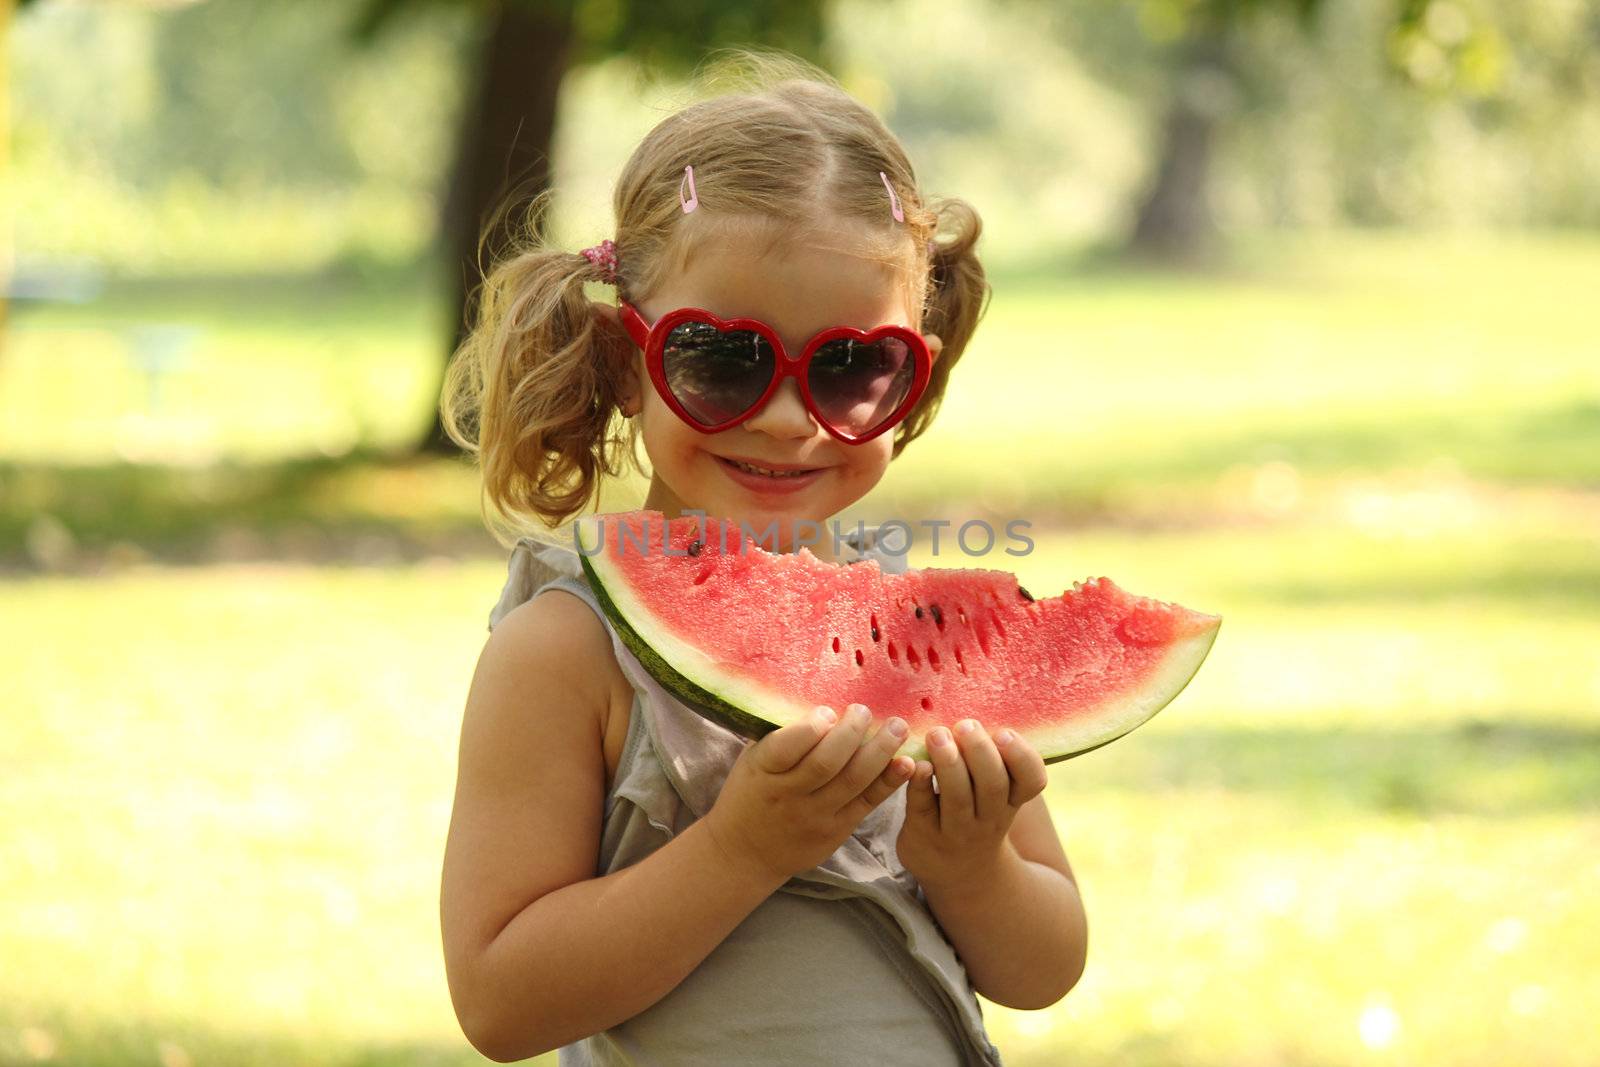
x=533, y=390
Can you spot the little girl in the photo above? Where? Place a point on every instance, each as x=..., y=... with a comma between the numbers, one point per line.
x=624, y=879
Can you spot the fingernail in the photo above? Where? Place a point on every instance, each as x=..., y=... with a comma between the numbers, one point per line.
x=965, y=726
x=826, y=716
x=897, y=727
x=859, y=715
x=940, y=737
x=1004, y=737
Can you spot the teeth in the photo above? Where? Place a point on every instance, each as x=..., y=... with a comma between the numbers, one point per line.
x=763, y=470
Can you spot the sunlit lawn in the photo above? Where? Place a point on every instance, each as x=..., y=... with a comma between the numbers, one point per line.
x=195, y=371
x=1330, y=353
x=1366, y=832
x=1335, y=354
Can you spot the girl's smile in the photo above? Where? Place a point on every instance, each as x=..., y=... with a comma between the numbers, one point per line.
x=770, y=477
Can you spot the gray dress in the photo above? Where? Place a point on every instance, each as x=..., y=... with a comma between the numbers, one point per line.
x=843, y=965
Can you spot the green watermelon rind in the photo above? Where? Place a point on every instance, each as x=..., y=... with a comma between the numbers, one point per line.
x=679, y=686
x=1121, y=713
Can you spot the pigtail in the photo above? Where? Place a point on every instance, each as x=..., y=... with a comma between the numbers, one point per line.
x=534, y=387
x=957, y=297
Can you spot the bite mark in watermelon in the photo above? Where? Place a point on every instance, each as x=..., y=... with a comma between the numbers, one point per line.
x=754, y=640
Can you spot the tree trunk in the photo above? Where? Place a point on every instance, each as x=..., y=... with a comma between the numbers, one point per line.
x=505, y=144
x=7, y=255
x=1174, y=220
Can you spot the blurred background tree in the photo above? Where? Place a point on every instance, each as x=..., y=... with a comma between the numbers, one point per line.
x=1227, y=70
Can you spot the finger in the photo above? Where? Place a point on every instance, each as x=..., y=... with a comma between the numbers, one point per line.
x=920, y=801
x=786, y=746
x=830, y=754
x=1028, y=773
x=867, y=764
x=955, y=787
x=881, y=789
x=991, y=781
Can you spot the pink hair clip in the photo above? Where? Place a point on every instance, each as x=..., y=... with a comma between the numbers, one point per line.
x=693, y=200
x=894, y=201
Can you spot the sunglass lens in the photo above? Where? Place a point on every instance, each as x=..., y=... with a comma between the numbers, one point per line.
x=717, y=375
x=857, y=385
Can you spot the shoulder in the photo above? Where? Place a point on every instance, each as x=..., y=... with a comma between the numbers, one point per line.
x=556, y=637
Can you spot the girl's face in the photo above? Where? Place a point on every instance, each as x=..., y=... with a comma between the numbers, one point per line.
x=798, y=291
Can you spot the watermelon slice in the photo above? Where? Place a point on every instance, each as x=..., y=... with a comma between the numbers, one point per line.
x=753, y=639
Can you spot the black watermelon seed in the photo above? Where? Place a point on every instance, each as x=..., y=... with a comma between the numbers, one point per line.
x=938, y=616
x=919, y=611
x=695, y=546
x=1025, y=594
x=874, y=632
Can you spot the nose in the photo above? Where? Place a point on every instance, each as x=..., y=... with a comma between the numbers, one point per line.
x=784, y=415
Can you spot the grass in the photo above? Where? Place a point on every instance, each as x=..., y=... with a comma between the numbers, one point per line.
x=1365, y=833
x=289, y=508
x=194, y=371
x=1366, y=807
x=1334, y=355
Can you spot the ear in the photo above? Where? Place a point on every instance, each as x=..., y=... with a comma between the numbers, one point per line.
x=935, y=345
x=611, y=320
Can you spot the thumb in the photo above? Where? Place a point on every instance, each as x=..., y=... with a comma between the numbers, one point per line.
x=786, y=746
x=920, y=800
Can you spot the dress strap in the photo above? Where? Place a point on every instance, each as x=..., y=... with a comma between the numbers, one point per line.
x=532, y=566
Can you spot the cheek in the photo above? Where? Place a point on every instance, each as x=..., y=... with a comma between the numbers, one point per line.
x=679, y=450
x=666, y=439
x=881, y=448
x=872, y=458
x=659, y=422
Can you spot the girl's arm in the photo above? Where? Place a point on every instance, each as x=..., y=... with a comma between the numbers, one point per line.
x=538, y=951
x=1020, y=930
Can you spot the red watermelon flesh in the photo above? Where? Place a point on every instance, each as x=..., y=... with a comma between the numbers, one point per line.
x=755, y=639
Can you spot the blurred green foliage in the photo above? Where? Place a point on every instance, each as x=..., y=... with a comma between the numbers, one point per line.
x=1419, y=112
x=179, y=152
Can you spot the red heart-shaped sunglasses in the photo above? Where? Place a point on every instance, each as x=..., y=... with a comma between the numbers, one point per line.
x=715, y=373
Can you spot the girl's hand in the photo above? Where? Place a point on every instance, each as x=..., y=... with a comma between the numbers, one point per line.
x=956, y=837
x=793, y=797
